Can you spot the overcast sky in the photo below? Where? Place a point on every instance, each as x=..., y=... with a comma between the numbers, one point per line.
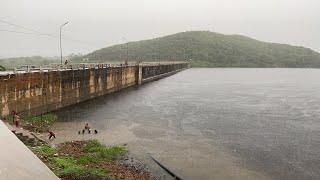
x=94, y=24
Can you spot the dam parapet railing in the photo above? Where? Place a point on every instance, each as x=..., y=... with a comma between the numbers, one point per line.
x=33, y=90
x=59, y=66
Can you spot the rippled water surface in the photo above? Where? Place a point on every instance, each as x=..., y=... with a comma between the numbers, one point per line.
x=213, y=123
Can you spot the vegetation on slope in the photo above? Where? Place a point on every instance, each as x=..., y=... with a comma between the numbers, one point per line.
x=79, y=164
x=88, y=160
x=209, y=49
x=2, y=68
x=39, y=123
x=10, y=63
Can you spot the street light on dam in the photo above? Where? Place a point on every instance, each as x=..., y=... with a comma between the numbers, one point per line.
x=127, y=47
x=60, y=40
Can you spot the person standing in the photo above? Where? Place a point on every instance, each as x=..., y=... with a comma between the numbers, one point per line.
x=17, y=120
x=13, y=116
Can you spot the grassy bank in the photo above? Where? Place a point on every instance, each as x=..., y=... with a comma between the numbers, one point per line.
x=87, y=160
x=40, y=123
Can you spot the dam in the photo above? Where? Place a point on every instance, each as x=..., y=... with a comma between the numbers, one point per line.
x=39, y=90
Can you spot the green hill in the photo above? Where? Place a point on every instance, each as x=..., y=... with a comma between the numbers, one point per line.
x=2, y=68
x=209, y=49
x=10, y=63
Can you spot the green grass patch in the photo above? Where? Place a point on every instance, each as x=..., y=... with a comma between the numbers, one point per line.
x=71, y=169
x=40, y=123
x=82, y=173
x=87, y=159
x=44, y=150
x=81, y=165
x=96, y=148
x=113, y=152
x=64, y=162
x=42, y=119
x=93, y=146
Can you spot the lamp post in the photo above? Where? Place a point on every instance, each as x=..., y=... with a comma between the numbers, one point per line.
x=127, y=46
x=60, y=40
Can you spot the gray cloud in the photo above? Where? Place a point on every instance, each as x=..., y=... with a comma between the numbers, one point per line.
x=101, y=23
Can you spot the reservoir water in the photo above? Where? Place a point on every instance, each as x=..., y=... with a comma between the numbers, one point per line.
x=213, y=123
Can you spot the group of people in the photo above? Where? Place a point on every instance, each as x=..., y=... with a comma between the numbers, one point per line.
x=87, y=128
x=16, y=121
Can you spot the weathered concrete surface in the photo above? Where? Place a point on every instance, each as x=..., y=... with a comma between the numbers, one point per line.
x=40, y=92
x=17, y=161
x=156, y=70
x=156, y=77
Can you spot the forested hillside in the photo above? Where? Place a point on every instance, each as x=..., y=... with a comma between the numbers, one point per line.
x=2, y=68
x=209, y=49
x=9, y=63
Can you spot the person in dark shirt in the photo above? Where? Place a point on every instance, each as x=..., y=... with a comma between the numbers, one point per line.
x=13, y=116
x=51, y=134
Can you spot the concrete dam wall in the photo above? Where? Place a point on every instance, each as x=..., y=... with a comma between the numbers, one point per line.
x=33, y=93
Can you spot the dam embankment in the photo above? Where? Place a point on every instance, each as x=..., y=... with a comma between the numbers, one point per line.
x=41, y=91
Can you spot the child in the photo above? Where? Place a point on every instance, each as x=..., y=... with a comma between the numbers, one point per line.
x=17, y=120
x=86, y=127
